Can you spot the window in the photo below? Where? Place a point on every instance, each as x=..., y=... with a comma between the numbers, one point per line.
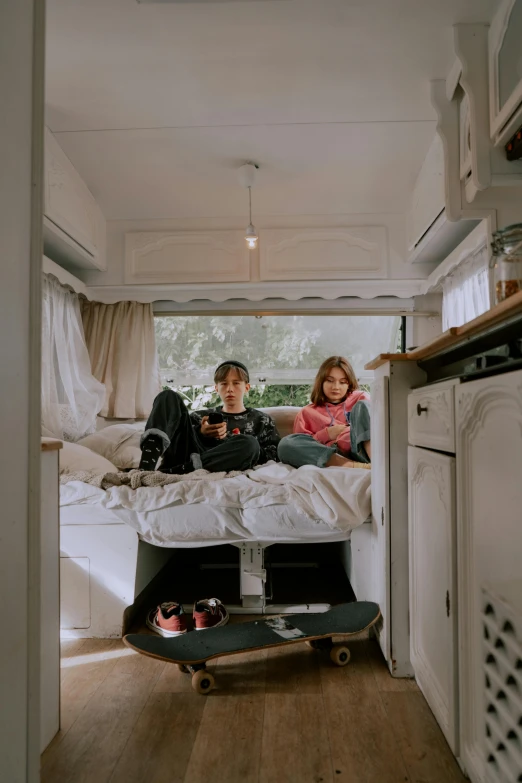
x=279, y=350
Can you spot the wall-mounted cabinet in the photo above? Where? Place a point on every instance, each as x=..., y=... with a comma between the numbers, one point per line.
x=285, y=254
x=433, y=224
x=74, y=226
x=505, y=71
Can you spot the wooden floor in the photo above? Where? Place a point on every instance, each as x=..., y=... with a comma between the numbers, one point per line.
x=285, y=715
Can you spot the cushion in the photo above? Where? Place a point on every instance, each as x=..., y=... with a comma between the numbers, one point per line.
x=74, y=458
x=119, y=443
x=284, y=416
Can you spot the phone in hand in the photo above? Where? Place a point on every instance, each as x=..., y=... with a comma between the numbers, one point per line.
x=215, y=418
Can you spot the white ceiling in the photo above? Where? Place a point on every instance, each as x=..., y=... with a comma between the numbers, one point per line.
x=157, y=105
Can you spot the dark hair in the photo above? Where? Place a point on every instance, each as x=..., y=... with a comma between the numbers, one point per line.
x=223, y=369
x=317, y=395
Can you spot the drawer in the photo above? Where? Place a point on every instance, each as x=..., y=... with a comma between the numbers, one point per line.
x=431, y=417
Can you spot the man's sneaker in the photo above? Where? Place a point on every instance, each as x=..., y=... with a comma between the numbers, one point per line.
x=209, y=613
x=151, y=450
x=168, y=619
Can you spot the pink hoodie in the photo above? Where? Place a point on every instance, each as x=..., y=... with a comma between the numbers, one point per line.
x=315, y=419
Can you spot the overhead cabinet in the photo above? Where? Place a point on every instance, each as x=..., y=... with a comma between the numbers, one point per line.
x=505, y=71
x=74, y=226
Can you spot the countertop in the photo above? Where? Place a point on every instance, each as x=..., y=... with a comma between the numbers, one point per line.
x=501, y=312
x=51, y=444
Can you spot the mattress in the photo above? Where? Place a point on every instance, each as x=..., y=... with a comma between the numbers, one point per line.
x=272, y=503
x=203, y=525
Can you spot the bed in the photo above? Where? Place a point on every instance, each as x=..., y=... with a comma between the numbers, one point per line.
x=114, y=541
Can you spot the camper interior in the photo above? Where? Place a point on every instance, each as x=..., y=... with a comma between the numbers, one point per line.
x=271, y=182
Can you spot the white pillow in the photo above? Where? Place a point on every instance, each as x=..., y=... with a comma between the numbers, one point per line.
x=75, y=458
x=119, y=443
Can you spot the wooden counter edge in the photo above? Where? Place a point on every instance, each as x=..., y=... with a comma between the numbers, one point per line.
x=50, y=444
x=456, y=334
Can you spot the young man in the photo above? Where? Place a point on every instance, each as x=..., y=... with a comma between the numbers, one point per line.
x=187, y=441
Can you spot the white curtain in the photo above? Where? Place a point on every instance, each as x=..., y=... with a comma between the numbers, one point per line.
x=466, y=290
x=122, y=346
x=71, y=396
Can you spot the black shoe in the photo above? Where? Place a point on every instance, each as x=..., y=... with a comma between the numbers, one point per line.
x=151, y=450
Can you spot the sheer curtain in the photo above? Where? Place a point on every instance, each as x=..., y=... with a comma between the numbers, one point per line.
x=466, y=290
x=71, y=396
x=122, y=346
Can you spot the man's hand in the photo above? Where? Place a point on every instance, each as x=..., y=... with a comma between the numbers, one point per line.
x=218, y=431
x=336, y=431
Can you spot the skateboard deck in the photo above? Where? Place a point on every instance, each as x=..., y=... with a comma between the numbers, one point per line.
x=192, y=650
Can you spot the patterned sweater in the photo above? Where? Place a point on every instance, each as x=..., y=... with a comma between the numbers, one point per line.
x=249, y=422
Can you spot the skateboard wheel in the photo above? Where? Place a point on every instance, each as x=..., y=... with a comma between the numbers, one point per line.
x=340, y=655
x=202, y=681
x=183, y=668
x=311, y=644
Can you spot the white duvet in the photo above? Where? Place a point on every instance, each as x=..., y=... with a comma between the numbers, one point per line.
x=270, y=502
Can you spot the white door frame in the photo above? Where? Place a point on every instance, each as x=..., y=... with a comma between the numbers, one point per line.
x=22, y=40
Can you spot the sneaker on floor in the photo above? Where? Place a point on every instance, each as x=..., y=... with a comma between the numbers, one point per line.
x=151, y=450
x=168, y=619
x=209, y=613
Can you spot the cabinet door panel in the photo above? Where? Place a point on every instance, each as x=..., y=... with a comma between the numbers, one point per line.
x=489, y=470
x=432, y=583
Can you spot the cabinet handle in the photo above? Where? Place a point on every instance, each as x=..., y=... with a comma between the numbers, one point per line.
x=447, y=603
x=420, y=409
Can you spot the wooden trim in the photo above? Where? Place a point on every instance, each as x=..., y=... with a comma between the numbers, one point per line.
x=456, y=334
x=51, y=444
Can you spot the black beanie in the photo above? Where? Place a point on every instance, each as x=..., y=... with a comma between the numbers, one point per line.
x=233, y=363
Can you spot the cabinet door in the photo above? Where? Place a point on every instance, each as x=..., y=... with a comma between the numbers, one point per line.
x=380, y=544
x=489, y=503
x=70, y=206
x=432, y=583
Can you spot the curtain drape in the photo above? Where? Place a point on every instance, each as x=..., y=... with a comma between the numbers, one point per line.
x=71, y=396
x=466, y=290
x=122, y=347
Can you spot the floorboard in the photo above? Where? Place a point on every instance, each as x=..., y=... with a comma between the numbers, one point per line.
x=422, y=744
x=276, y=716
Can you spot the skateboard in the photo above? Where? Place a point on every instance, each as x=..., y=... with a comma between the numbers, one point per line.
x=193, y=650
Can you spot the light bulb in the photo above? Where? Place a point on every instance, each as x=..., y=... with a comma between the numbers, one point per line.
x=251, y=237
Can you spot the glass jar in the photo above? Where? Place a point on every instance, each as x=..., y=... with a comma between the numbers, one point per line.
x=507, y=252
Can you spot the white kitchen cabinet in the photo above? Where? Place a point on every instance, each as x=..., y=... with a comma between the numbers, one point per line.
x=74, y=226
x=432, y=567
x=505, y=69
x=489, y=536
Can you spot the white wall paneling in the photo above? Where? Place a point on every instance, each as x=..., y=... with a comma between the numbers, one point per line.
x=186, y=257
x=75, y=223
x=336, y=253
x=22, y=29
x=49, y=598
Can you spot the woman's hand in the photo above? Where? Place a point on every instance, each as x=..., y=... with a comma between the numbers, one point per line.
x=218, y=431
x=336, y=431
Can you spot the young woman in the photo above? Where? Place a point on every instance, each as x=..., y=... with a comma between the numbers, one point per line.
x=334, y=431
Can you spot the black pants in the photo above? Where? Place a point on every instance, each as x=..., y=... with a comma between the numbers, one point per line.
x=170, y=419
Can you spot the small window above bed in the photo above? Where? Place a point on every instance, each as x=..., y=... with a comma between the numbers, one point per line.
x=279, y=350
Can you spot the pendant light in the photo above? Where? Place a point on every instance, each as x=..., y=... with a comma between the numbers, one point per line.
x=247, y=176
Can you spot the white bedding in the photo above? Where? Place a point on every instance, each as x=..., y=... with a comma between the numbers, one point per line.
x=272, y=503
